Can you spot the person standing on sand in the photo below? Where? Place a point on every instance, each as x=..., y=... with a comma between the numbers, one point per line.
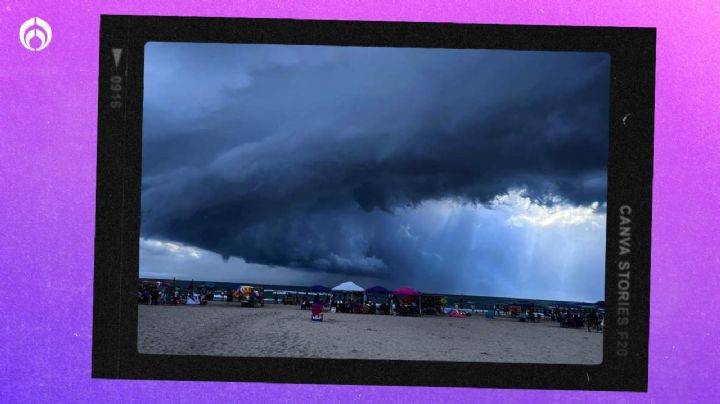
x=154, y=296
x=592, y=320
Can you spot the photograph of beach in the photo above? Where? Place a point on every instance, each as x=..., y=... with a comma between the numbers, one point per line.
x=373, y=203
x=499, y=332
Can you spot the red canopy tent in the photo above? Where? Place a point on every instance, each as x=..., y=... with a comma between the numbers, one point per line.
x=408, y=291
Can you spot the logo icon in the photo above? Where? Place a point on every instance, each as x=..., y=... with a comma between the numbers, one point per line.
x=35, y=28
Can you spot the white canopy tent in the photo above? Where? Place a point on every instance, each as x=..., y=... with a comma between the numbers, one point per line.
x=348, y=287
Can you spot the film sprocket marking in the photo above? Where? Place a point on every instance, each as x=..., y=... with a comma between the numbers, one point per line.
x=627, y=261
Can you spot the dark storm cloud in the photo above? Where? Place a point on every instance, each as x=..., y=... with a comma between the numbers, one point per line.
x=303, y=156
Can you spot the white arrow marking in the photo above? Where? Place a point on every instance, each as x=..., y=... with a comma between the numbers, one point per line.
x=116, y=55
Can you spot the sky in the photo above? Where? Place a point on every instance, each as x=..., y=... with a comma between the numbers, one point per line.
x=459, y=171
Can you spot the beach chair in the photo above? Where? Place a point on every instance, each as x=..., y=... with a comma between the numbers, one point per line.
x=317, y=312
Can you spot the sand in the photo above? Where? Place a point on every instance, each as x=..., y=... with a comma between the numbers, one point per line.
x=221, y=329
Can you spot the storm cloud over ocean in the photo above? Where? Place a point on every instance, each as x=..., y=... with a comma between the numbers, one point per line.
x=455, y=171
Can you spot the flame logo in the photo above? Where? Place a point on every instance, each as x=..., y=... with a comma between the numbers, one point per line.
x=35, y=28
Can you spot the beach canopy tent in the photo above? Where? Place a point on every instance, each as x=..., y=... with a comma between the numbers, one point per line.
x=348, y=287
x=431, y=302
x=377, y=289
x=318, y=289
x=407, y=291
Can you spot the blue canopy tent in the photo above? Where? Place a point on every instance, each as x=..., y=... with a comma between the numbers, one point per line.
x=317, y=289
x=377, y=289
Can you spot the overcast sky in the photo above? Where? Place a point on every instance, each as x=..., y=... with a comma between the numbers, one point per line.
x=451, y=171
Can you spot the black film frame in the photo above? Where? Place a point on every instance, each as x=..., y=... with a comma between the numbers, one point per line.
x=625, y=339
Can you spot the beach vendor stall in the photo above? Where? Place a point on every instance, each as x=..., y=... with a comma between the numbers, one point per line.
x=321, y=294
x=433, y=304
x=318, y=289
x=250, y=296
x=378, y=294
x=349, y=297
x=411, y=303
x=289, y=298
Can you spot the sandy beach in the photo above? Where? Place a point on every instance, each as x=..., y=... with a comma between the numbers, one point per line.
x=221, y=329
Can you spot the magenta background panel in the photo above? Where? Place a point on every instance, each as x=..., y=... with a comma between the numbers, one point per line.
x=48, y=118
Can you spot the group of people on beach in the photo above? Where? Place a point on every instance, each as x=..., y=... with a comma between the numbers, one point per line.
x=347, y=303
x=157, y=295
x=568, y=319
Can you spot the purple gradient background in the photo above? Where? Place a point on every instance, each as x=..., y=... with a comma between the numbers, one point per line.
x=48, y=119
